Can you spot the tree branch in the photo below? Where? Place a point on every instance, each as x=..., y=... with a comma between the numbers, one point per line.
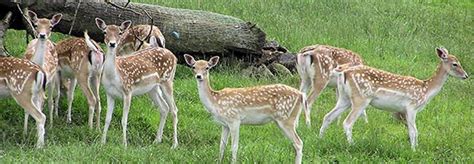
x=3, y=29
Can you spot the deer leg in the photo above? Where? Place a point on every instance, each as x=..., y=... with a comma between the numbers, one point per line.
x=342, y=104
x=57, y=89
x=95, y=86
x=127, y=99
x=316, y=89
x=51, y=102
x=70, y=98
x=108, y=117
x=412, y=131
x=26, y=101
x=167, y=89
x=38, y=99
x=25, y=125
x=358, y=107
x=234, y=133
x=289, y=130
x=87, y=90
x=224, y=139
x=160, y=102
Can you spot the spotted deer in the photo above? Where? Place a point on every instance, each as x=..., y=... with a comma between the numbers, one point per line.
x=24, y=81
x=403, y=95
x=149, y=71
x=80, y=61
x=134, y=39
x=314, y=65
x=41, y=51
x=232, y=107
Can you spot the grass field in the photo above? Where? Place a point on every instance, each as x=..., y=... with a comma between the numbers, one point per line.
x=397, y=36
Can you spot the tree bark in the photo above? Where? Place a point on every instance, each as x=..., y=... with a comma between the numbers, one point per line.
x=186, y=31
x=4, y=24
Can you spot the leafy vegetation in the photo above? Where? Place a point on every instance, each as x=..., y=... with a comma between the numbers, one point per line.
x=397, y=36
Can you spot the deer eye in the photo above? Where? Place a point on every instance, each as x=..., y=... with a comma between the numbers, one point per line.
x=455, y=65
x=207, y=68
x=104, y=32
x=193, y=67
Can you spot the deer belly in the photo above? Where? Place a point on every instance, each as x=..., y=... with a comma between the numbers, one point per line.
x=143, y=89
x=66, y=71
x=255, y=116
x=391, y=101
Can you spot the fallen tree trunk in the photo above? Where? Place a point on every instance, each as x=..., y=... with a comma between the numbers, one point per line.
x=186, y=31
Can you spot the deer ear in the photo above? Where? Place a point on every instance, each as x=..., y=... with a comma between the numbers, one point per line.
x=56, y=18
x=153, y=42
x=125, y=25
x=100, y=24
x=189, y=60
x=33, y=16
x=442, y=53
x=213, y=61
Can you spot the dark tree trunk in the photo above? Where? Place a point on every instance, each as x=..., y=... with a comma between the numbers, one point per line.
x=186, y=31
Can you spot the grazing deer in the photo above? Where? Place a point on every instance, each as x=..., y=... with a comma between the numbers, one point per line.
x=232, y=107
x=41, y=51
x=134, y=39
x=315, y=64
x=149, y=71
x=404, y=95
x=24, y=81
x=80, y=60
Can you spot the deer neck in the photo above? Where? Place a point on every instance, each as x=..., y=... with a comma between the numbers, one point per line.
x=207, y=95
x=40, y=51
x=436, y=82
x=110, y=64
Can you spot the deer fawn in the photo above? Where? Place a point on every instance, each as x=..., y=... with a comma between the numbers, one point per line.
x=149, y=71
x=41, y=51
x=80, y=60
x=404, y=95
x=232, y=107
x=315, y=64
x=134, y=39
x=24, y=81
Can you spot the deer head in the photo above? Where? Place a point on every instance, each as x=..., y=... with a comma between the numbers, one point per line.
x=201, y=67
x=112, y=33
x=44, y=26
x=451, y=64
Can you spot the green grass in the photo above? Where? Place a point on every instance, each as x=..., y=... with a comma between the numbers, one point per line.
x=397, y=36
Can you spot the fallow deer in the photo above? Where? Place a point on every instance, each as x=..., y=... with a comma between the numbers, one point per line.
x=149, y=71
x=314, y=65
x=24, y=81
x=232, y=107
x=134, y=39
x=41, y=51
x=80, y=60
x=403, y=95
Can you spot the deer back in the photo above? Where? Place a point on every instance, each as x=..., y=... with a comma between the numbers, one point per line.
x=129, y=43
x=15, y=73
x=74, y=52
x=366, y=81
x=280, y=99
x=155, y=63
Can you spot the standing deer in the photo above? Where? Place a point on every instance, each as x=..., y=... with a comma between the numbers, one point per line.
x=80, y=60
x=315, y=64
x=134, y=39
x=41, y=51
x=24, y=81
x=404, y=95
x=149, y=71
x=259, y=105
